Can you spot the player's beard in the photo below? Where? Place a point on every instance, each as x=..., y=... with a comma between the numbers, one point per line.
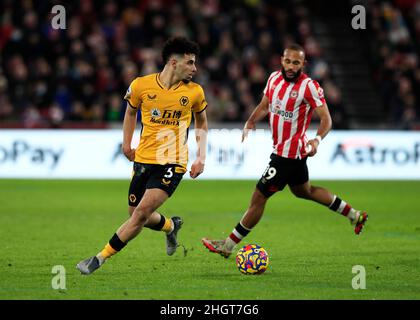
x=187, y=79
x=291, y=79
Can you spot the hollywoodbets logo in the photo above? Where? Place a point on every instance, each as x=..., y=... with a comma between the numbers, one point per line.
x=169, y=117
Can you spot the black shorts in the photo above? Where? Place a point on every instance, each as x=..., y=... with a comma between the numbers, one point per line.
x=280, y=172
x=149, y=176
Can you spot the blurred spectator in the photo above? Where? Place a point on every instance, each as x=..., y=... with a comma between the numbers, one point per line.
x=6, y=109
x=81, y=73
x=395, y=49
x=336, y=107
x=114, y=108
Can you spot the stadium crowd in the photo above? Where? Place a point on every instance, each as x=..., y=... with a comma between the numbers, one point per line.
x=395, y=48
x=81, y=73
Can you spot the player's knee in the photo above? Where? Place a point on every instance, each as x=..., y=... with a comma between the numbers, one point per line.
x=302, y=194
x=139, y=218
x=142, y=213
x=258, y=199
x=145, y=208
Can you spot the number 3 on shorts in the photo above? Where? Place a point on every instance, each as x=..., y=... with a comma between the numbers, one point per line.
x=169, y=173
x=270, y=172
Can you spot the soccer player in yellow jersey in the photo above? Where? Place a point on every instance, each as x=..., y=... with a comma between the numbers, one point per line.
x=166, y=102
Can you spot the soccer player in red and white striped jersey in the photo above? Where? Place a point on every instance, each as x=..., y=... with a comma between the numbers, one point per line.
x=290, y=98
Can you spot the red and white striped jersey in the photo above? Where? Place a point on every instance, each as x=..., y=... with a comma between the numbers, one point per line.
x=290, y=111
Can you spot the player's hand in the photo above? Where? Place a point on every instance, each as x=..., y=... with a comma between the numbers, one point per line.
x=249, y=125
x=312, y=147
x=197, y=168
x=129, y=152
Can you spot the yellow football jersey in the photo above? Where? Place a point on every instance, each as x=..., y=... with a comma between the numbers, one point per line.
x=165, y=115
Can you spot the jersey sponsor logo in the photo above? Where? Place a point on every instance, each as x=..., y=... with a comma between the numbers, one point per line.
x=286, y=115
x=167, y=114
x=165, y=122
x=172, y=114
x=275, y=108
x=155, y=113
x=184, y=101
x=169, y=117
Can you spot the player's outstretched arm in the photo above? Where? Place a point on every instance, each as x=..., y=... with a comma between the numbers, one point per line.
x=201, y=130
x=323, y=129
x=129, y=124
x=259, y=113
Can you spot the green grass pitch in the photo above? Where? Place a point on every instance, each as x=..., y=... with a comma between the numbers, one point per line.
x=312, y=250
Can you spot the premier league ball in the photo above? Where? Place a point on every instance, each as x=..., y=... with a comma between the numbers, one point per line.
x=252, y=259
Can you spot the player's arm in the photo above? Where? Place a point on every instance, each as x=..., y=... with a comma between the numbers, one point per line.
x=259, y=113
x=323, y=129
x=200, y=129
x=129, y=125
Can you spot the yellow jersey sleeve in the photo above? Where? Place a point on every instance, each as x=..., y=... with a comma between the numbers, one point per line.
x=200, y=102
x=133, y=94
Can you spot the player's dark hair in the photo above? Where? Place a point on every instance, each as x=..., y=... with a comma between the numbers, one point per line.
x=295, y=47
x=179, y=45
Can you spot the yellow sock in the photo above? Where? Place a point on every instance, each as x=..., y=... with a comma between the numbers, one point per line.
x=167, y=227
x=108, y=251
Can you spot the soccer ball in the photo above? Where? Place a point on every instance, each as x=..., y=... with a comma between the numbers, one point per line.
x=252, y=259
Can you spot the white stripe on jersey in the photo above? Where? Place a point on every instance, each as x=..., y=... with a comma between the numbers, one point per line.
x=273, y=77
x=314, y=93
x=275, y=94
x=283, y=107
x=308, y=107
x=303, y=140
x=293, y=129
